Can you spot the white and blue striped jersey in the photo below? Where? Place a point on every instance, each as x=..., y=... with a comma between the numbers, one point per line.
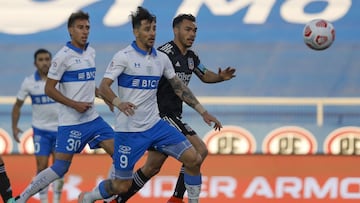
x=44, y=109
x=75, y=69
x=138, y=74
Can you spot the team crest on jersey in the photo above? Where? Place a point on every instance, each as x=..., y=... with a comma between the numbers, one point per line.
x=191, y=63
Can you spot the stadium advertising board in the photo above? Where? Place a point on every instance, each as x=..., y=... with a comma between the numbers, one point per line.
x=231, y=179
x=236, y=140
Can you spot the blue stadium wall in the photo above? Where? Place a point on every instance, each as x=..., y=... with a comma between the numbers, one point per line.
x=261, y=38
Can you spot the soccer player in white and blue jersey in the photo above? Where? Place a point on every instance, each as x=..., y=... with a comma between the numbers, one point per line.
x=73, y=70
x=44, y=118
x=185, y=62
x=138, y=69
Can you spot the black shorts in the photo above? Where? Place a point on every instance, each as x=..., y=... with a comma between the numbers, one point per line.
x=175, y=121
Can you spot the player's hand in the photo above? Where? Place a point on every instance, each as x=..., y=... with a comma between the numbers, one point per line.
x=127, y=108
x=209, y=119
x=16, y=133
x=227, y=73
x=81, y=107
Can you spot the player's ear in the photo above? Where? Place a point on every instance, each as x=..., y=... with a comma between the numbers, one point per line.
x=70, y=30
x=136, y=32
x=176, y=30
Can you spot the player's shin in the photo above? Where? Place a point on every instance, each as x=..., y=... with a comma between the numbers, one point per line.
x=98, y=193
x=5, y=188
x=43, y=179
x=57, y=189
x=44, y=195
x=193, y=187
x=138, y=182
x=180, y=185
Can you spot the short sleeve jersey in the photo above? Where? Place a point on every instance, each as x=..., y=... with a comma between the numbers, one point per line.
x=75, y=69
x=184, y=65
x=44, y=109
x=138, y=73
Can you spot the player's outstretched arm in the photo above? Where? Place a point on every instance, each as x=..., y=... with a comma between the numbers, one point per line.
x=209, y=76
x=182, y=91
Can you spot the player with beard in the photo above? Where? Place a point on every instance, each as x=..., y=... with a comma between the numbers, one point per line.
x=44, y=119
x=138, y=69
x=71, y=82
x=185, y=62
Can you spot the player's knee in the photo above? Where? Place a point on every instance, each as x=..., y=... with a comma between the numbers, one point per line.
x=41, y=163
x=200, y=146
x=41, y=167
x=121, y=186
x=194, y=161
x=61, y=167
x=203, y=153
x=198, y=160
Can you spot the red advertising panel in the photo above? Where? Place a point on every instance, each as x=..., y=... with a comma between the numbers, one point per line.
x=226, y=178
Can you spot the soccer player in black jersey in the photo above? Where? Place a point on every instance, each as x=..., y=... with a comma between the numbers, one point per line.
x=5, y=187
x=185, y=62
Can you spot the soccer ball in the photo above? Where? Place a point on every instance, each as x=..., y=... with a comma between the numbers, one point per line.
x=319, y=34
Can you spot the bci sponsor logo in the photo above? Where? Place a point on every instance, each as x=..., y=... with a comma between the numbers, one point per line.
x=144, y=83
x=87, y=75
x=36, y=13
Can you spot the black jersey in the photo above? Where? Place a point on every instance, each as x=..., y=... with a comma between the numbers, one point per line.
x=169, y=103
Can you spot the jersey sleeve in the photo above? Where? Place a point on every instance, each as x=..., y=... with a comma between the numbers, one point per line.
x=199, y=69
x=58, y=67
x=24, y=90
x=169, y=71
x=116, y=66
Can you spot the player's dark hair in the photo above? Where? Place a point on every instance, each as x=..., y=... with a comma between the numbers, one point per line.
x=76, y=16
x=41, y=51
x=178, y=19
x=141, y=14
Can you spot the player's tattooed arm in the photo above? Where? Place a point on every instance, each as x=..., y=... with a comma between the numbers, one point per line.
x=185, y=94
x=188, y=97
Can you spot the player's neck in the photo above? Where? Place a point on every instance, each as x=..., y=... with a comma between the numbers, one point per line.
x=42, y=75
x=182, y=48
x=143, y=47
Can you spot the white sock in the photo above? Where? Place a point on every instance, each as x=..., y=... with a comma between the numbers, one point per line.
x=44, y=195
x=93, y=195
x=43, y=179
x=57, y=189
x=193, y=192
